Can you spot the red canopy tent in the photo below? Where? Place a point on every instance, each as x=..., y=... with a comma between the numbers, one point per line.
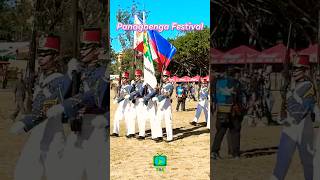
x=275, y=54
x=195, y=78
x=174, y=79
x=311, y=51
x=184, y=79
x=237, y=55
x=214, y=54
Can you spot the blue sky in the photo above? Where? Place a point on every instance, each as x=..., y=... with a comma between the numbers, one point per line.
x=162, y=12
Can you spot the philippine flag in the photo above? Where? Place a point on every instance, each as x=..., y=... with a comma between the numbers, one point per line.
x=163, y=48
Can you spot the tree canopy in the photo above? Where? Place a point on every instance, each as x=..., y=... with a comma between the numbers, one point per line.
x=192, y=56
x=261, y=24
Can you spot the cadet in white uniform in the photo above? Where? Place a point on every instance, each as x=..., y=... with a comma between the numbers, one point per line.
x=298, y=128
x=86, y=149
x=144, y=107
x=122, y=111
x=42, y=152
x=203, y=104
x=316, y=158
x=164, y=111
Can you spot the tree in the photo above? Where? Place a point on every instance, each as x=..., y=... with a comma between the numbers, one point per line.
x=114, y=64
x=262, y=23
x=192, y=56
x=15, y=20
x=125, y=16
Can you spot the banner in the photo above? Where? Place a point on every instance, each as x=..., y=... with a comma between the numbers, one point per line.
x=148, y=56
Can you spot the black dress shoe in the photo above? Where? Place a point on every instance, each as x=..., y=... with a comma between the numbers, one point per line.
x=114, y=135
x=215, y=156
x=140, y=137
x=130, y=136
x=168, y=141
x=235, y=157
x=158, y=139
x=193, y=123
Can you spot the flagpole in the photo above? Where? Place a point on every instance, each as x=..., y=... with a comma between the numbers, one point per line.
x=161, y=76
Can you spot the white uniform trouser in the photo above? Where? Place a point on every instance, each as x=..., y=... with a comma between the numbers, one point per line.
x=41, y=154
x=164, y=112
x=87, y=152
x=130, y=118
x=141, y=116
x=202, y=105
x=156, y=130
x=298, y=136
x=316, y=160
x=120, y=114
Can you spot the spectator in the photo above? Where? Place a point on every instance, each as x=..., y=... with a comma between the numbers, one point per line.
x=180, y=97
x=192, y=93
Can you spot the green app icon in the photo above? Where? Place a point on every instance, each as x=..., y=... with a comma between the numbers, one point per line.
x=159, y=160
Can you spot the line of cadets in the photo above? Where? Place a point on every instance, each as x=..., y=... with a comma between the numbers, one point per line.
x=139, y=101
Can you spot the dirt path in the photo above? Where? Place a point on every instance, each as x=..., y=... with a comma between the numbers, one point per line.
x=10, y=145
x=259, y=145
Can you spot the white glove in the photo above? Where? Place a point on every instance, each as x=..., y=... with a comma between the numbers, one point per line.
x=127, y=96
x=141, y=100
x=286, y=122
x=155, y=99
x=55, y=110
x=99, y=122
x=166, y=91
x=73, y=64
x=17, y=128
x=144, y=83
x=202, y=102
x=115, y=101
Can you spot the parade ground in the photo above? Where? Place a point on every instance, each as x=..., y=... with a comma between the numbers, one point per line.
x=259, y=147
x=187, y=155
